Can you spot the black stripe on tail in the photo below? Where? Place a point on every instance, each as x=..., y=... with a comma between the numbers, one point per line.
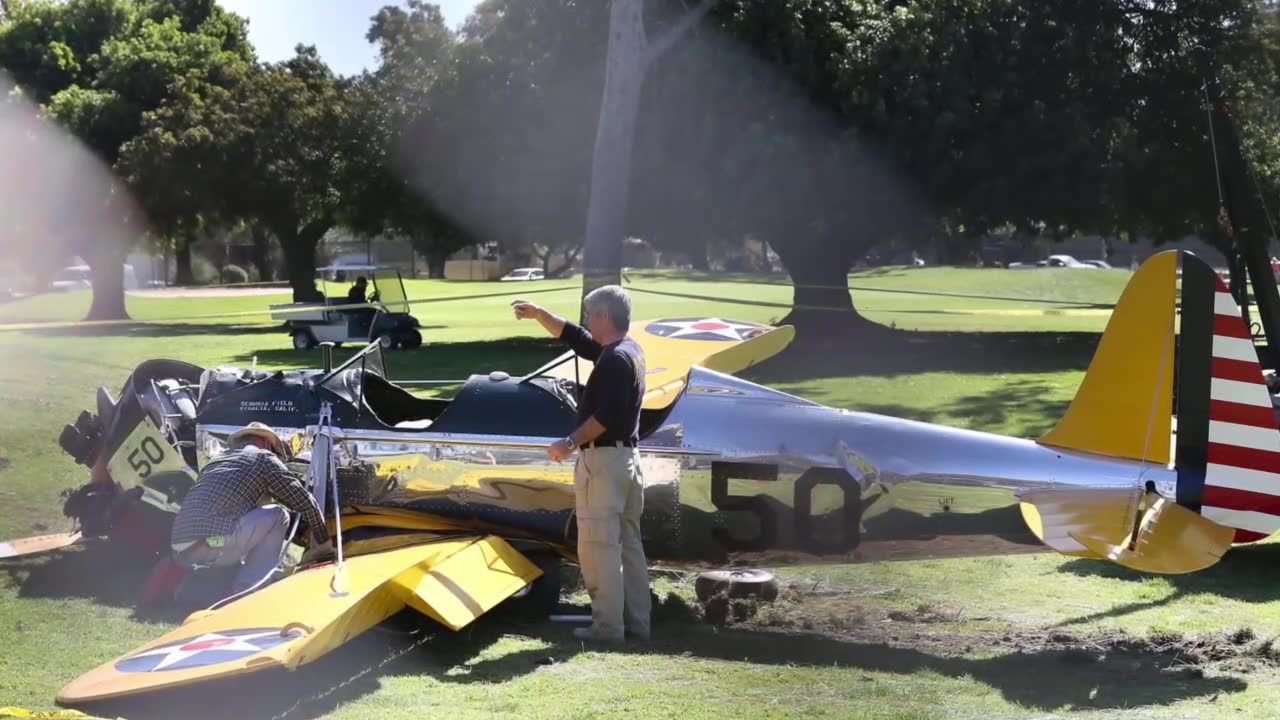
x=1194, y=370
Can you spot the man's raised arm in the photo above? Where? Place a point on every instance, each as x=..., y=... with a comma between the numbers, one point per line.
x=571, y=334
x=552, y=323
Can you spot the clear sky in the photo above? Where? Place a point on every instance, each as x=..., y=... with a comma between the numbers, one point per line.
x=335, y=27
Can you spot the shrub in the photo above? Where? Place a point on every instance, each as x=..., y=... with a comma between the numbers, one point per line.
x=234, y=274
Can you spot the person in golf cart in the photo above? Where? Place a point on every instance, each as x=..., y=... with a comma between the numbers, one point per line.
x=360, y=319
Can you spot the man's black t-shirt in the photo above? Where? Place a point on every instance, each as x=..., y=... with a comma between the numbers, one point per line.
x=615, y=389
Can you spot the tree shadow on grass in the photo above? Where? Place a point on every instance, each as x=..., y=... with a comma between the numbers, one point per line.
x=161, y=330
x=1046, y=679
x=1021, y=408
x=1245, y=573
x=892, y=353
x=1042, y=678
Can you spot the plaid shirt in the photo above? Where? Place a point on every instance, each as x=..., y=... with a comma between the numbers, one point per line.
x=235, y=483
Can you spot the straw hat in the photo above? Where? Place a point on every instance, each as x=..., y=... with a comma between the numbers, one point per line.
x=262, y=431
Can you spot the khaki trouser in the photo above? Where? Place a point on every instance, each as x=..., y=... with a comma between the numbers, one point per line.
x=609, y=494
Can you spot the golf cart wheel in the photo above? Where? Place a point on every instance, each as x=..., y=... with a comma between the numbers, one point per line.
x=744, y=582
x=411, y=340
x=303, y=340
x=388, y=341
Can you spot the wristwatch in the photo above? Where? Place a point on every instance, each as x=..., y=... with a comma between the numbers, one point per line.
x=571, y=443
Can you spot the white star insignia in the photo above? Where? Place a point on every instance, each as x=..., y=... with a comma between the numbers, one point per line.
x=711, y=326
x=205, y=643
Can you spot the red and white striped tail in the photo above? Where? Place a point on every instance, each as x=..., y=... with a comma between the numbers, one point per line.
x=1242, y=475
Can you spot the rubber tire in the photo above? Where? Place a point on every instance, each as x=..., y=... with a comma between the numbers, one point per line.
x=308, y=340
x=411, y=340
x=738, y=583
x=389, y=341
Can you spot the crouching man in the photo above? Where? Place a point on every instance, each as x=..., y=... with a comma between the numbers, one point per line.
x=225, y=521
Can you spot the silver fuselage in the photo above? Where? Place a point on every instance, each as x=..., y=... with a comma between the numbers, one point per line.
x=737, y=472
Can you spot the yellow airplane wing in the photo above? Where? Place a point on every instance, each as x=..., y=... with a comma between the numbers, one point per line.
x=295, y=621
x=673, y=345
x=38, y=544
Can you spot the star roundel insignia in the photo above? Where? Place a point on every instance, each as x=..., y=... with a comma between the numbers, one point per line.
x=705, y=329
x=207, y=649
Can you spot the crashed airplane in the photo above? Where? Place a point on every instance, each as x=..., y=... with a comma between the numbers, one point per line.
x=450, y=507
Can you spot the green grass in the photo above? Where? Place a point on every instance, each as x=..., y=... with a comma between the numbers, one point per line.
x=867, y=654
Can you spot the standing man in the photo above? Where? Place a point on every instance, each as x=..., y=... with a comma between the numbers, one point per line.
x=608, y=486
x=223, y=521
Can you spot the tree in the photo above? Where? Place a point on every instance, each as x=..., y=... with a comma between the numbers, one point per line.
x=288, y=154
x=831, y=128
x=391, y=110
x=176, y=162
x=116, y=73
x=629, y=57
x=501, y=149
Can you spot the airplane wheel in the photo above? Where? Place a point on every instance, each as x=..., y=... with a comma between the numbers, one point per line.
x=746, y=582
x=388, y=341
x=303, y=340
x=411, y=340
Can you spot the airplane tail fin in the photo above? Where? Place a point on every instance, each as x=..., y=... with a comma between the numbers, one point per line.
x=1124, y=406
x=1228, y=442
x=1155, y=364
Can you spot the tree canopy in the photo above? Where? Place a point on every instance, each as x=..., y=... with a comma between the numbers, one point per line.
x=827, y=129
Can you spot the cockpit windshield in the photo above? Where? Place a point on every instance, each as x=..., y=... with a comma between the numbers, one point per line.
x=546, y=369
x=346, y=380
x=391, y=291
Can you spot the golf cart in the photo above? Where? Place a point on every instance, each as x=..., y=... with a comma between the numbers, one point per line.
x=386, y=319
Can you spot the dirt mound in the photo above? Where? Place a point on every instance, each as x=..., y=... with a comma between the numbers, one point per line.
x=939, y=630
x=1238, y=650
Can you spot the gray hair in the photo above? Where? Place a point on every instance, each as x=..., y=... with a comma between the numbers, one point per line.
x=614, y=301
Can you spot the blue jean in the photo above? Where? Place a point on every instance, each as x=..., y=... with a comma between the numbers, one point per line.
x=253, y=544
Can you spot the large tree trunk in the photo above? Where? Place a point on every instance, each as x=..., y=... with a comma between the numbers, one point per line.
x=821, y=301
x=299, y=246
x=698, y=256
x=570, y=257
x=300, y=261
x=182, y=263
x=262, y=253
x=107, y=268
x=615, y=134
x=435, y=264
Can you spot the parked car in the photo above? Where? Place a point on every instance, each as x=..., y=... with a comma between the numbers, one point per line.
x=74, y=277
x=1068, y=262
x=524, y=274
x=1103, y=264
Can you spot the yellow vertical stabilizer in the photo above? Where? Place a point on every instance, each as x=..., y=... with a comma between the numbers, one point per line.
x=1125, y=404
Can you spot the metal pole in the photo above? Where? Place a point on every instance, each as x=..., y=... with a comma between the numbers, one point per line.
x=1247, y=224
